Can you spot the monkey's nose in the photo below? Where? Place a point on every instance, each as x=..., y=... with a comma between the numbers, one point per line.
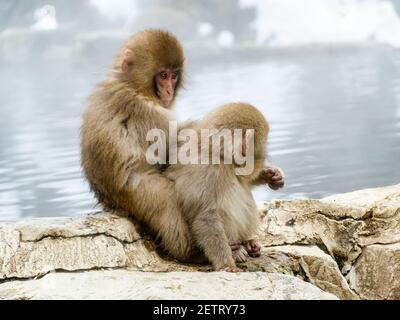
x=169, y=91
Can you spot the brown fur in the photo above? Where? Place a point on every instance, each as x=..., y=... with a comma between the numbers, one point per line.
x=153, y=50
x=121, y=111
x=217, y=203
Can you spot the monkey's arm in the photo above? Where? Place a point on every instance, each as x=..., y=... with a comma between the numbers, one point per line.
x=184, y=125
x=210, y=236
x=124, y=180
x=273, y=176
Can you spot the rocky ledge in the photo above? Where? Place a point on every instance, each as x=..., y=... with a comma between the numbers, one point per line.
x=345, y=246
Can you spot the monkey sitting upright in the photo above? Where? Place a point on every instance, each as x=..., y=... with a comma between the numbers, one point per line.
x=216, y=198
x=136, y=98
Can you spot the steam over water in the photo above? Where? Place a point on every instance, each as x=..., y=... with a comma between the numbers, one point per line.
x=332, y=99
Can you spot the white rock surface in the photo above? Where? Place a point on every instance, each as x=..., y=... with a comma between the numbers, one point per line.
x=123, y=284
x=376, y=274
x=359, y=230
x=346, y=244
x=318, y=267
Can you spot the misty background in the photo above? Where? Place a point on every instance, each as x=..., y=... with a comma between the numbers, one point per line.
x=325, y=73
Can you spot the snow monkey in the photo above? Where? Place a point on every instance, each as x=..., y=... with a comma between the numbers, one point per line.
x=216, y=201
x=136, y=97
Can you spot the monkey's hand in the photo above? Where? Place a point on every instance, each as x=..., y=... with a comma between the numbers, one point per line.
x=273, y=176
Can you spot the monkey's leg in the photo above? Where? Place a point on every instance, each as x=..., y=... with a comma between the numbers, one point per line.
x=154, y=201
x=210, y=236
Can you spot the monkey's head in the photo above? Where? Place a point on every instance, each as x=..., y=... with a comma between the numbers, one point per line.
x=152, y=62
x=245, y=117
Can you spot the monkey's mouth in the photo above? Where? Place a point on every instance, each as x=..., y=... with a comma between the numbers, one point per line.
x=165, y=98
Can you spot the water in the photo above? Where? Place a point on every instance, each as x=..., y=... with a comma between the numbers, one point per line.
x=334, y=116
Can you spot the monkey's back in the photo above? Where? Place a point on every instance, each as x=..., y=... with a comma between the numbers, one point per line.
x=216, y=188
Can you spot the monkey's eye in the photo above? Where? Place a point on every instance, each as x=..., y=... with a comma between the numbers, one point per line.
x=163, y=75
x=174, y=75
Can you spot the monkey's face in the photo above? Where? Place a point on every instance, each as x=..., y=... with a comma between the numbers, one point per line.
x=152, y=62
x=165, y=84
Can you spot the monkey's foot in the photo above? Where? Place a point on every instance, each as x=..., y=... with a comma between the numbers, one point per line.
x=232, y=269
x=235, y=245
x=253, y=248
x=240, y=255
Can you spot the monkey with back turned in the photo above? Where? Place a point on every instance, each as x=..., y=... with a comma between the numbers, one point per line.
x=215, y=199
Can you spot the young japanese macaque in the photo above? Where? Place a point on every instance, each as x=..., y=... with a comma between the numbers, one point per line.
x=136, y=97
x=215, y=194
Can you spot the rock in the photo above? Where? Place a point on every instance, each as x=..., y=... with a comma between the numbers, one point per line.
x=315, y=266
x=33, y=248
x=312, y=222
x=380, y=212
x=376, y=274
x=92, y=225
x=9, y=243
x=345, y=226
x=347, y=245
x=123, y=284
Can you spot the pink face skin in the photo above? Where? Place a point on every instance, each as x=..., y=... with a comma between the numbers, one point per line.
x=166, y=81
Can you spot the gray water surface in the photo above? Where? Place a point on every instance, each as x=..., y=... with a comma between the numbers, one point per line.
x=334, y=116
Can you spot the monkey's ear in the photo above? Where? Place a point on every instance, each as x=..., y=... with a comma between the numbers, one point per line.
x=128, y=61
